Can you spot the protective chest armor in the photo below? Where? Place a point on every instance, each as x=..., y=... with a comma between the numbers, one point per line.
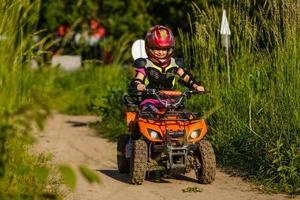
x=160, y=78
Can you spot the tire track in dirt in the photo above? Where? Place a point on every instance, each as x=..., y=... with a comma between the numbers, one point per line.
x=71, y=142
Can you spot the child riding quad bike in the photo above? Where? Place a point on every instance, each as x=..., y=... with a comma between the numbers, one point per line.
x=169, y=141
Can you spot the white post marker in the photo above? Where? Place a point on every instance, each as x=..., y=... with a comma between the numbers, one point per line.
x=138, y=49
x=225, y=33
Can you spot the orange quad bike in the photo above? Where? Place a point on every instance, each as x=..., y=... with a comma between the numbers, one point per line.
x=169, y=141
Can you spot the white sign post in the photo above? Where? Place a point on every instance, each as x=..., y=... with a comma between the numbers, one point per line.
x=225, y=33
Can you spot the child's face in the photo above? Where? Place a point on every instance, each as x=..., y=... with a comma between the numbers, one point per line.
x=160, y=53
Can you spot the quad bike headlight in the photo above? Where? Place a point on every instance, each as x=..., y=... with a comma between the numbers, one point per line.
x=153, y=134
x=195, y=134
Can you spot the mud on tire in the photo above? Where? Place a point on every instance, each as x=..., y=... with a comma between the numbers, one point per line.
x=123, y=162
x=207, y=172
x=138, y=162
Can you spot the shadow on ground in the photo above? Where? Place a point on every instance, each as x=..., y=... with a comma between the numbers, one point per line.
x=115, y=175
x=151, y=177
x=76, y=123
x=185, y=178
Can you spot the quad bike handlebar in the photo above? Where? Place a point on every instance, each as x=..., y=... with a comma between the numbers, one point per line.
x=179, y=96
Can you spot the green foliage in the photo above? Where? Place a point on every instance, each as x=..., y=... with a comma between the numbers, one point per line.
x=110, y=108
x=76, y=92
x=68, y=176
x=41, y=174
x=125, y=21
x=118, y=53
x=53, y=13
x=89, y=175
x=123, y=17
x=120, y=17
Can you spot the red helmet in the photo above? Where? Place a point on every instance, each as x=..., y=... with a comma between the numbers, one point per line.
x=160, y=37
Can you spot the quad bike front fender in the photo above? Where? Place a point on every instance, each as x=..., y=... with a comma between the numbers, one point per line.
x=199, y=125
x=162, y=128
x=130, y=119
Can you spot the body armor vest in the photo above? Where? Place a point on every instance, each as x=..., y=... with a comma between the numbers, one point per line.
x=160, y=78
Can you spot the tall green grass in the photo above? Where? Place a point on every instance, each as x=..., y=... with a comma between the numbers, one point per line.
x=22, y=176
x=257, y=123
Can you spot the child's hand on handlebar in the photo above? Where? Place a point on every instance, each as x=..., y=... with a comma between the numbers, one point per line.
x=199, y=88
x=140, y=87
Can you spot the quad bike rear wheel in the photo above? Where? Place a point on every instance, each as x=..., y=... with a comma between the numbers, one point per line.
x=138, y=162
x=207, y=171
x=123, y=162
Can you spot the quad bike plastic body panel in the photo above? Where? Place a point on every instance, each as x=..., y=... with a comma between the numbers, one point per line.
x=173, y=126
x=130, y=119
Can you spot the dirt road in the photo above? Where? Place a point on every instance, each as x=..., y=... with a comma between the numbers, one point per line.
x=71, y=142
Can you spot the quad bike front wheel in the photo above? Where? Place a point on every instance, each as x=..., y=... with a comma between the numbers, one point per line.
x=206, y=156
x=123, y=162
x=138, y=162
